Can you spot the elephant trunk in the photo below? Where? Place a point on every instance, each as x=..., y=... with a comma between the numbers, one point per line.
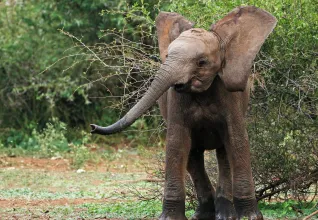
x=161, y=83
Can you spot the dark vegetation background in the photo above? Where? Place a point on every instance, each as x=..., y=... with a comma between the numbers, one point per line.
x=65, y=64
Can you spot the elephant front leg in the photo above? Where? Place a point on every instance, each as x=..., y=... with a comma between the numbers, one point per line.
x=237, y=147
x=177, y=151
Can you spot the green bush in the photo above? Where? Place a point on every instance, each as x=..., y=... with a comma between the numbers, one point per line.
x=51, y=141
x=43, y=73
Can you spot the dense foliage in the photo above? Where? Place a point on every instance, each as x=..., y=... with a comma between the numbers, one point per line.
x=71, y=59
x=46, y=74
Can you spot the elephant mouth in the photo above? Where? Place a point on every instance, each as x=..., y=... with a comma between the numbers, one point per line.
x=193, y=85
x=182, y=87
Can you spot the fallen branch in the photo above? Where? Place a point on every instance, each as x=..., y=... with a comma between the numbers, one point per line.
x=141, y=180
x=311, y=215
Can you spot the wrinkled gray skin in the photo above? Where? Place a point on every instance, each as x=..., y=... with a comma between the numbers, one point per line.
x=203, y=92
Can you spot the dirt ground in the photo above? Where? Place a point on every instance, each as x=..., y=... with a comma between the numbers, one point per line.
x=56, y=176
x=33, y=188
x=18, y=203
x=131, y=163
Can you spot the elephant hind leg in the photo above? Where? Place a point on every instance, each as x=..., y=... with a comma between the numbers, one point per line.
x=204, y=189
x=224, y=196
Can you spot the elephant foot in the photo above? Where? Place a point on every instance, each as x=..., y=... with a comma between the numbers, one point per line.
x=174, y=217
x=173, y=210
x=205, y=210
x=247, y=208
x=203, y=216
x=224, y=209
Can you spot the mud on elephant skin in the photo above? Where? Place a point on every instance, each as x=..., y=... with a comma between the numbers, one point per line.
x=203, y=90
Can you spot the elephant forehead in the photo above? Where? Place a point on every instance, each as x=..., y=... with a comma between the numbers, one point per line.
x=186, y=46
x=194, y=42
x=199, y=34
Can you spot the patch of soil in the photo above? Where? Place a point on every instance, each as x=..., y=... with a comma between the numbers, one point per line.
x=132, y=163
x=35, y=163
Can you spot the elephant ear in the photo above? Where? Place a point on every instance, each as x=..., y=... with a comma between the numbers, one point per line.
x=169, y=27
x=243, y=32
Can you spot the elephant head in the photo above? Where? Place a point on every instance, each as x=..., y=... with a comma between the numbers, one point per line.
x=193, y=57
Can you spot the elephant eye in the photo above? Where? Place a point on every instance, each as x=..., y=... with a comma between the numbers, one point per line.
x=202, y=62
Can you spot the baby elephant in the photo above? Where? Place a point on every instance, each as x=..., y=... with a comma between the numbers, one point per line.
x=203, y=90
